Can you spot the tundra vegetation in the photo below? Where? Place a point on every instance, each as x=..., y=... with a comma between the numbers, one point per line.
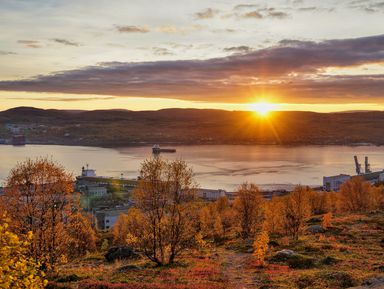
x=304, y=239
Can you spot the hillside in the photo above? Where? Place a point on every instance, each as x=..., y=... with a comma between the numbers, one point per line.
x=191, y=126
x=347, y=254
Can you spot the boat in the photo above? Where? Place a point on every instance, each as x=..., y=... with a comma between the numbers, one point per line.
x=18, y=140
x=156, y=149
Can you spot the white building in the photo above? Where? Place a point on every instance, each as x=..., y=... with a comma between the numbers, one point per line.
x=106, y=218
x=211, y=195
x=86, y=172
x=333, y=183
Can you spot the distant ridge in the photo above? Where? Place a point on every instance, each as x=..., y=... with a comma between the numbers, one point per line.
x=192, y=126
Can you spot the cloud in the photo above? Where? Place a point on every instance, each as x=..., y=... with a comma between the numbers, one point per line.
x=291, y=70
x=207, y=13
x=244, y=6
x=161, y=51
x=30, y=43
x=63, y=99
x=171, y=29
x=2, y=52
x=264, y=13
x=368, y=6
x=277, y=14
x=65, y=42
x=131, y=29
x=253, y=14
x=238, y=49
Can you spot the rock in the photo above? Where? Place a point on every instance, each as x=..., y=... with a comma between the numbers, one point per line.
x=329, y=260
x=120, y=253
x=379, y=268
x=286, y=252
x=372, y=283
x=315, y=229
x=298, y=261
x=314, y=220
x=273, y=244
x=283, y=255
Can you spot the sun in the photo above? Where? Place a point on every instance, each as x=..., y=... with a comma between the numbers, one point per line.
x=262, y=108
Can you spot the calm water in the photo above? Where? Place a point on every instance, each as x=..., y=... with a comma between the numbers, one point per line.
x=215, y=166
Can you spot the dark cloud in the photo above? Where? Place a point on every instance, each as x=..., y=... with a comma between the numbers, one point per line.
x=30, y=43
x=206, y=14
x=292, y=69
x=65, y=42
x=238, y=49
x=131, y=29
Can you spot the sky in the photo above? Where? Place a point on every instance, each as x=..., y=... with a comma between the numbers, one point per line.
x=145, y=55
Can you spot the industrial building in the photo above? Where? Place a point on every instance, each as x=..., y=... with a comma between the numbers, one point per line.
x=333, y=183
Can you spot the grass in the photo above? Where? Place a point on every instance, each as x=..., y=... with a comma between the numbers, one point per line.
x=350, y=251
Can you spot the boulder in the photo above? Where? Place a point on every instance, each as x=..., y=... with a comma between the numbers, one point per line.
x=283, y=255
x=315, y=229
x=371, y=283
x=120, y=253
x=329, y=260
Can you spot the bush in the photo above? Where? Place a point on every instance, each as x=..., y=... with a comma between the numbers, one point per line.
x=337, y=279
x=298, y=261
x=106, y=285
x=68, y=278
x=54, y=285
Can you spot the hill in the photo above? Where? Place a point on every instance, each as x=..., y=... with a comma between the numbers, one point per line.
x=191, y=126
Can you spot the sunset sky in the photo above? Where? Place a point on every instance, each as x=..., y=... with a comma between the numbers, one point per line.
x=144, y=55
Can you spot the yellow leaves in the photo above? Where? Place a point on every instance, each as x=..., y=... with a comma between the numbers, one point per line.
x=199, y=240
x=131, y=239
x=326, y=220
x=16, y=269
x=260, y=247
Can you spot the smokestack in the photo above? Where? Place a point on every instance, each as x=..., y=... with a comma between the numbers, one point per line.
x=358, y=166
x=367, y=166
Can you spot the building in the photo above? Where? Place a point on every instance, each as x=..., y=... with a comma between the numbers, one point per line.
x=95, y=191
x=333, y=183
x=106, y=218
x=210, y=195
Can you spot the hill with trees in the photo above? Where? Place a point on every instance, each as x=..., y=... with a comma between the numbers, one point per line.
x=112, y=128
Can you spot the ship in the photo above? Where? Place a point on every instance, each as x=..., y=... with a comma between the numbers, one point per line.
x=156, y=149
x=18, y=140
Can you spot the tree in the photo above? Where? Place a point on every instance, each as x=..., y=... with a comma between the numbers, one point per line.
x=39, y=198
x=296, y=208
x=210, y=222
x=120, y=230
x=164, y=200
x=273, y=216
x=326, y=220
x=260, y=246
x=248, y=207
x=17, y=270
x=357, y=195
x=81, y=237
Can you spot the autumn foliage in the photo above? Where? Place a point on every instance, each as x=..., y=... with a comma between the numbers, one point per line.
x=39, y=198
x=17, y=269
